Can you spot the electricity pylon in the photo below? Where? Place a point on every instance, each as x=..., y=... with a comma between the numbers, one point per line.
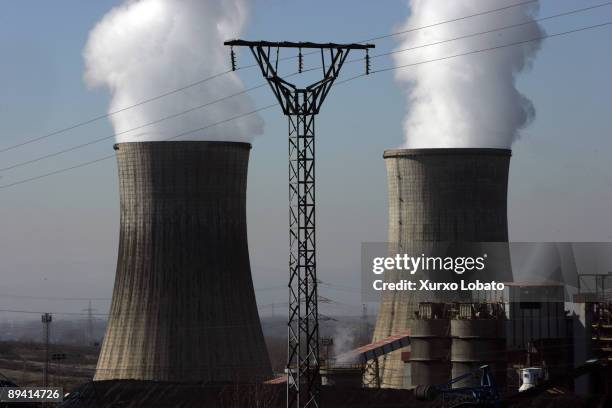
x=301, y=105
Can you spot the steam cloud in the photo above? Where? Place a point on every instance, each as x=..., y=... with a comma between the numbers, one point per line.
x=344, y=340
x=468, y=101
x=143, y=48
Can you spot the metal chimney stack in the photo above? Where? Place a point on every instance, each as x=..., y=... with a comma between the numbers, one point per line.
x=438, y=195
x=183, y=306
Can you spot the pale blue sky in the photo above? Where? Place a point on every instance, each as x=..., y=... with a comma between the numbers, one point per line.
x=58, y=235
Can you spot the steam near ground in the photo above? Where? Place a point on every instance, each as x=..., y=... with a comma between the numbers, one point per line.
x=468, y=101
x=144, y=48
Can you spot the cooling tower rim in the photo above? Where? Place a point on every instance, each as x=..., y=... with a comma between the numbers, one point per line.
x=244, y=145
x=446, y=152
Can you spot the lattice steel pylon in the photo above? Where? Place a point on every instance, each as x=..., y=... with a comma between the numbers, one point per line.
x=301, y=105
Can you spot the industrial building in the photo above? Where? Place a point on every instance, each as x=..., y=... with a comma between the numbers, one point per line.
x=535, y=327
x=169, y=323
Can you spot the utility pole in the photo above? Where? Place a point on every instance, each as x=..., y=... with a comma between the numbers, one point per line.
x=46, y=320
x=327, y=342
x=301, y=105
x=364, y=324
x=90, y=322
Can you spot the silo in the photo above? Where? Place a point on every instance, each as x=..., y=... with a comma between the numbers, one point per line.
x=478, y=342
x=438, y=195
x=430, y=345
x=183, y=306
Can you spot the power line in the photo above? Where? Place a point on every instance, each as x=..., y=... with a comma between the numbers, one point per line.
x=107, y=115
x=482, y=13
x=496, y=47
x=337, y=83
x=87, y=163
x=53, y=313
x=175, y=115
x=476, y=51
x=12, y=296
x=65, y=169
x=220, y=74
x=566, y=13
x=7, y=295
x=271, y=288
x=220, y=326
x=340, y=288
x=50, y=297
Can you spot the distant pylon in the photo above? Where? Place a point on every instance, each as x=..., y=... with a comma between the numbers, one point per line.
x=364, y=324
x=90, y=323
x=46, y=321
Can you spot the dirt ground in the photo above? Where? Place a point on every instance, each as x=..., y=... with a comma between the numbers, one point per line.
x=137, y=394
x=23, y=364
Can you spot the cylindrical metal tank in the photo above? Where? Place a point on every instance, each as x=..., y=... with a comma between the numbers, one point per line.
x=476, y=342
x=430, y=351
x=183, y=306
x=438, y=195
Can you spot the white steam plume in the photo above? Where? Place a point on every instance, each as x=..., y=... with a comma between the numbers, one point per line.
x=143, y=48
x=467, y=101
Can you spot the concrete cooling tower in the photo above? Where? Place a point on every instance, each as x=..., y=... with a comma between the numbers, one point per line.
x=438, y=195
x=183, y=306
